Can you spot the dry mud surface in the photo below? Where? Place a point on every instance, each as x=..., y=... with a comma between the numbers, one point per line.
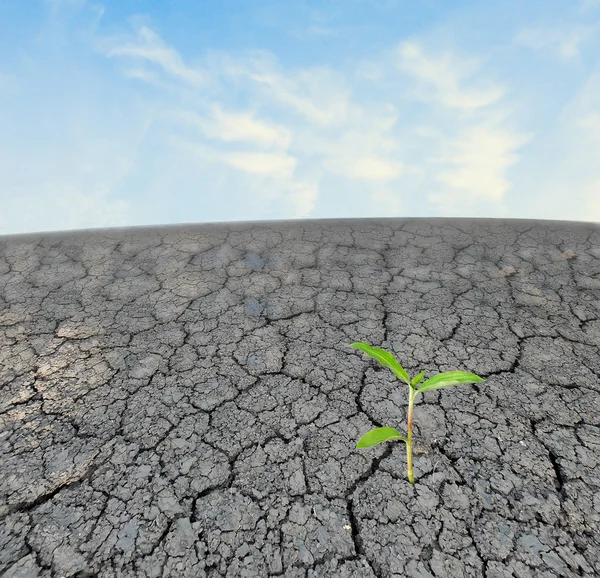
x=183, y=401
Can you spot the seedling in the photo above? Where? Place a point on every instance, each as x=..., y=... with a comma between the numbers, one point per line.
x=439, y=381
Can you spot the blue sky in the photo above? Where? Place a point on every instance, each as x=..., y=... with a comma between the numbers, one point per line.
x=137, y=113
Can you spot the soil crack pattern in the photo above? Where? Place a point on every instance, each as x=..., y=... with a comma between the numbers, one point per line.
x=184, y=401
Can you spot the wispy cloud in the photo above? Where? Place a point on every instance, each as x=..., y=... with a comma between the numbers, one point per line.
x=480, y=153
x=483, y=155
x=316, y=93
x=566, y=42
x=149, y=46
x=217, y=124
x=442, y=76
x=314, y=31
x=273, y=164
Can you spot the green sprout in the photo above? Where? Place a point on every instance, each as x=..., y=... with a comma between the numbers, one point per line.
x=383, y=434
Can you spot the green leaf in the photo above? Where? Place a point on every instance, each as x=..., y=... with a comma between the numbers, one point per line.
x=448, y=379
x=417, y=379
x=378, y=435
x=384, y=358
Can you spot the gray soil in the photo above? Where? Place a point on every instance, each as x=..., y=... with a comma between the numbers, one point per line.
x=183, y=401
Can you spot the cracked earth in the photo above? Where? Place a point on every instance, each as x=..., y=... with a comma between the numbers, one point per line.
x=183, y=401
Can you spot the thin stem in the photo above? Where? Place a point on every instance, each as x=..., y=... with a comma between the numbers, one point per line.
x=411, y=401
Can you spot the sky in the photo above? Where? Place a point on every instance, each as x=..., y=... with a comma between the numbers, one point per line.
x=130, y=113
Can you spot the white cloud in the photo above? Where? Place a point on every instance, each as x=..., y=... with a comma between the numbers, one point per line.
x=376, y=169
x=366, y=149
x=566, y=41
x=150, y=47
x=311, y=32
x=483, y=155
x=234, y=127
x=145, y=76
x=257, y=67
x=261, y=163
x=275, y=165
x=317, y=93
x=326, y=104
x=302, y=198
x=444, y=75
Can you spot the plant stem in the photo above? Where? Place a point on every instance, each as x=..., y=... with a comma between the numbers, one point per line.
x=411, y=401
